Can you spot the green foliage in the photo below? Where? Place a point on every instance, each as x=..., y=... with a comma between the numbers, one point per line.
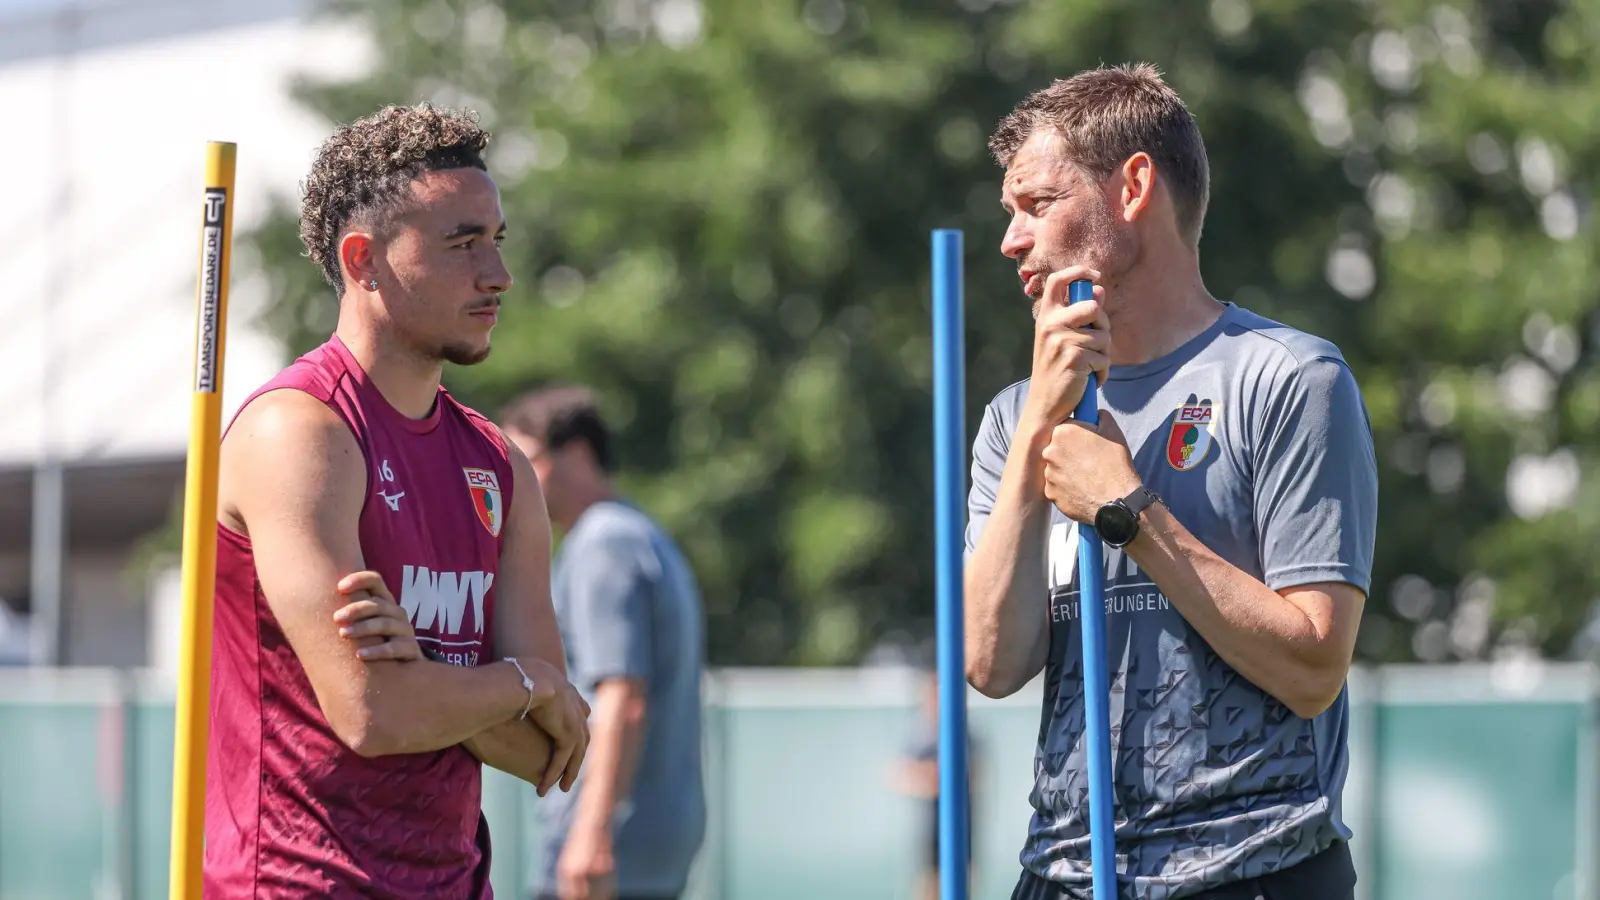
x=719, y=218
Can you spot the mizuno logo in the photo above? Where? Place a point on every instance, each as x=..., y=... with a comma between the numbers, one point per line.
x=386, y=475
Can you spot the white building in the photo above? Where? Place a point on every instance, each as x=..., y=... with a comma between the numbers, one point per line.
x=108, y=107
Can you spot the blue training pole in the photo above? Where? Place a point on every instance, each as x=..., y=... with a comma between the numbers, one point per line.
x=949, y=477
x=1096, y=676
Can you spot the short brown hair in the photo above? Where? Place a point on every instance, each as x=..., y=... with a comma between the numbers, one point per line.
x=560, y=414
x=1106, y=115
x=367, y=166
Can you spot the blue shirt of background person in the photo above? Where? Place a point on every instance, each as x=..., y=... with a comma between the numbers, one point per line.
x=632, y=625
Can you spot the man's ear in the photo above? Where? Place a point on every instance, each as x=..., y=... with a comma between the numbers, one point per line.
x=358, y=258
x=1138, y=185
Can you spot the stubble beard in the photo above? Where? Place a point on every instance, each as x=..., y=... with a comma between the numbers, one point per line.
x=463, y=354
x=1100, y=247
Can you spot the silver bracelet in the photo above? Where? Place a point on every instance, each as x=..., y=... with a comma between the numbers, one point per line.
x=527, y=684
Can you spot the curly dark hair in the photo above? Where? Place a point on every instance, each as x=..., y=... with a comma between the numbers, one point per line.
x=366, y=167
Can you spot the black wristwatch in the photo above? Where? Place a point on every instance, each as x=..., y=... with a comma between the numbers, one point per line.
x=1117, y=522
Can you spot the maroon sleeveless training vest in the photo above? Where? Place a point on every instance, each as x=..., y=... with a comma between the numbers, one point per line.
x=290, y=810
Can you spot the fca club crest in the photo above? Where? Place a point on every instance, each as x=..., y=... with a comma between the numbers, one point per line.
x=485, y=488
x=1191, y=434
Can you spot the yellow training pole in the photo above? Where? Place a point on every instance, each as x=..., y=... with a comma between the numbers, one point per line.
x=200, y=527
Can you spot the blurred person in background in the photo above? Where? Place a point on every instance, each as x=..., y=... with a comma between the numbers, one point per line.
x=917, y=775
x=631, y=618
x=342, y=762
x=1233, y=480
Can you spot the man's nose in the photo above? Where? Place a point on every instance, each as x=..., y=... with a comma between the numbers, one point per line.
x=1018, y=240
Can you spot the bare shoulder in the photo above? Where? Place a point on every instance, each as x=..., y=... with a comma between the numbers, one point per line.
x=514, y=456
x=287, y=449
x=524, y=482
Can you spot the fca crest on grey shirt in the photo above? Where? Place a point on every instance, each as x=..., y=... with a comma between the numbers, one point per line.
x=1190, y=436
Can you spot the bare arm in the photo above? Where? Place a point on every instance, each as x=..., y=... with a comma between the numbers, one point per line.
x=613, y=595
x=917, y=777
x=1007, y=620
x=301, y=510
x=1295, y=645
x=517, y=748
x=525, y=626
x=1007, y=598
x=617, y=739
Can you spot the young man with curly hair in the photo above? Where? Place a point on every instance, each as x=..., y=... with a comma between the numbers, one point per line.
x=348, y=728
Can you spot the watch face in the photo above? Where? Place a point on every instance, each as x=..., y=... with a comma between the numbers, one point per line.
x=1115, y=524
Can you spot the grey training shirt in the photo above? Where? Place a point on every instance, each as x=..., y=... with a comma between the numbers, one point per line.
x=628, y=606
x=1256, y=437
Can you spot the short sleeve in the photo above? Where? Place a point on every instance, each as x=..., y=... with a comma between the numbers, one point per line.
x=611, y=596
x=988, y=462
x=1316, y=486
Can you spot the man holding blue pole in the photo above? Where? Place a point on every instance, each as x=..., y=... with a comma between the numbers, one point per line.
x=1233, y=481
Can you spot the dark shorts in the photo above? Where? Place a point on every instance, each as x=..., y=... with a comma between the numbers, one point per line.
x=1330, y=875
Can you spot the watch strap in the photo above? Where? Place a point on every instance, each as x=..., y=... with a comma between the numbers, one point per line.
x=1139, y=500
x=1133, y=505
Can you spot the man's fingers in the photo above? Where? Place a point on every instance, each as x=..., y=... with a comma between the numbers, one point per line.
x=1085, y=359
x=1090, y=314
x=384, y=650
x=370, y=610
x=360, y=581
x=574, y=765
x=368, y=581
x=1059, y=342
x=576, y=888
x=355, y=612
x=573, y=885
x=1095, y=339
x=385, y=626
x=1099, y=364
x=396, y=650
x=1101, y=320
x=1058, y=285
x=558, y=768
x=558, y=764
x=1059, y=435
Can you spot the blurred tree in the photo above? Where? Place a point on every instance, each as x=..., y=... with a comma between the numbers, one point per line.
x=720, y=213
